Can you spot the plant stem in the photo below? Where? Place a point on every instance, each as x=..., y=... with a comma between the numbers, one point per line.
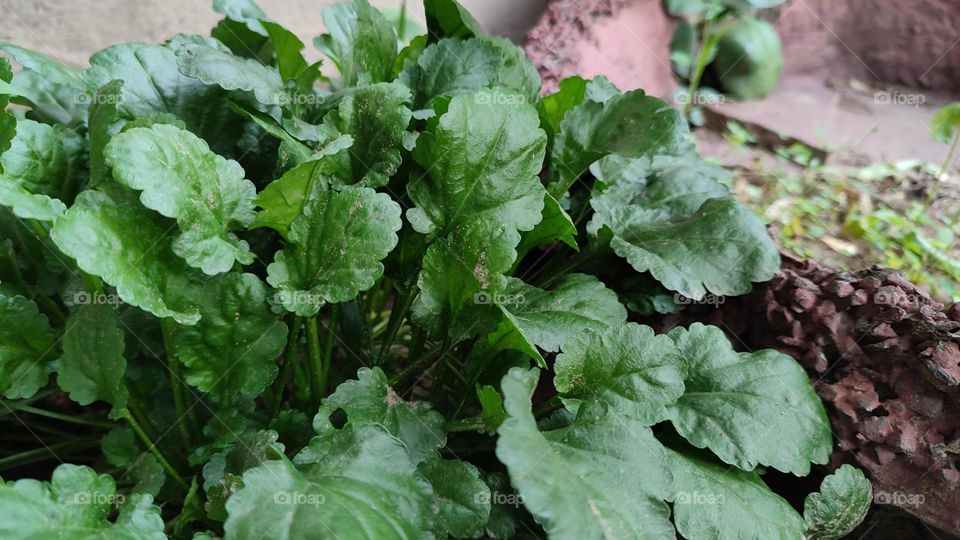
x=328, y=345
x=152, y=448
x=317, y=382
x=185, y=420
x=49, y=451
x=401, y=306
x=65, y=417
x=144, y=420
x=289, y=359
x=932, y=196
x=474, y=423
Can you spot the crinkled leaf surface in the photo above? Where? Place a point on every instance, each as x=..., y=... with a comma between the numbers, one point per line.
x=749, y=408
x=111, y=236
x=534, y=317
x=370, y=400
x=76, y=504
x=481, y=189
x=601, y=477
x=335, y=248
x=626, y=367
x=234, y=347
x=631, y=124
x=182, y=179
x=839, y=507
x=26, y=347
x=362, y=43
x=463, y=497
x=376, y=117
x=216, y=67
x=92, y=367
x=675, y=220
x=55, y=91
x=361, y=485
x=223, y=474
x=713, y=500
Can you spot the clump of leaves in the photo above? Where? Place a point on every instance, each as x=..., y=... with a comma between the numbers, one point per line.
x=389, y=304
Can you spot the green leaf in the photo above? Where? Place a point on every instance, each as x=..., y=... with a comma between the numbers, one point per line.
x=571, y=93
x=283, y=199
x=335, y=248
x=114, y=238
x=41, y=169
x=534, y=317
x=361, y=42
x=714, y=500
x=555, y=226
x=233, y=349
x=945, y=123
x=216, y=67
x=361, y=486
x=602, y=477
x=92, y=367
x=448, y=19
x=103, y=125
x=492, y=412
x=76, y=504
x=288, y=48
x=630, y=124
x=453, y=67
x=626, y=367
x=181, y=178
x=55, y=92
x=673, y=218
x=749, y=408
x=376, y=116
x=223, y=474
x=839, y=507
x=370, y=400
x=481, y=189
x=26, y=347
x=463, y=497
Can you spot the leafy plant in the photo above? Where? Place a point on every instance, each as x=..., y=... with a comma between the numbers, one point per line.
x=389, y=304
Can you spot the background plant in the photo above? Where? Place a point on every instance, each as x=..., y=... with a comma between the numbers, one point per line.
x=384, y=304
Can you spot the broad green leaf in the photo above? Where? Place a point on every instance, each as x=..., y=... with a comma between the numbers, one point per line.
x=103, y=125
x=554, y=107
x=76, y=504
x=630, y=124
x=602, y=477
x=361, y=486
x=370, y=400
x=41, y=169
x=26, y=347
x=463, y=497
x=534, y=317
x=713, y=500
x=453, y=67
x=448, y=19
x=361, y=42
x=55, y=92
x=223, y=473
x=245, y=11
x=491, y=403
x=296, y=151
x=671, y=217
x=946, y=123
x=626, y=367
x=153, y=85
x=555, y=226
x=287, y=47
x=748, y=408
x=283, y=199
x=216, y=67
x=233, y=349
x=376, y=117
x=180, y=177
x=114, y=238
x=335, y=248
x=482, y=156
x=840, y=505
x=92, y=367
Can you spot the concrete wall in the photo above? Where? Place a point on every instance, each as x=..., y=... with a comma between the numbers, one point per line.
x=72, y=30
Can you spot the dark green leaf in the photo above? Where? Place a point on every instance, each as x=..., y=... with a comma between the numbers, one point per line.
x=361, y=42
x=463, y=498
x=448, y=19
x=92, y=367
x=840, y=505
x=26, y=347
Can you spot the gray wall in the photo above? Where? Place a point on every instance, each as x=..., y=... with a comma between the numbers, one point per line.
x=71, y=30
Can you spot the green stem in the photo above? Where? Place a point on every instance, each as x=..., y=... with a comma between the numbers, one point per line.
x=328, y=344
x=185, y=420
x=932, y=196
x=66, y=417
x=316, y=361
x=152, y=448
x=289, y=360
x=401, y=306
x=50, y=451
x=474, y=423
x=145, y=423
